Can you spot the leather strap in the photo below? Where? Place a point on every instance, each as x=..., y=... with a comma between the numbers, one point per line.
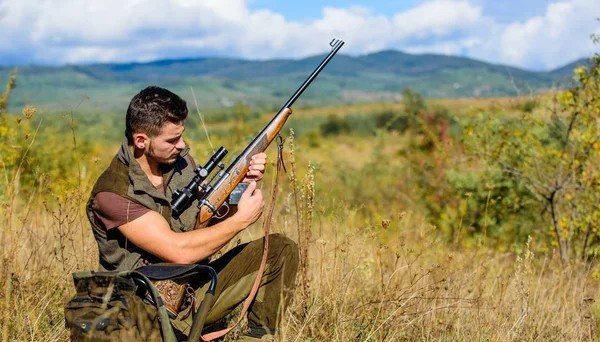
x=267, y=227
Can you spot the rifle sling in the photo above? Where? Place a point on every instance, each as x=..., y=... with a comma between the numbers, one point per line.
x=267, y=228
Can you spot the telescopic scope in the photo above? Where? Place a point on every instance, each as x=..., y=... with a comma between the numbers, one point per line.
x=182, y=198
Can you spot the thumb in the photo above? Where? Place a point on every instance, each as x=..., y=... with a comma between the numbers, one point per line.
x=250, y=189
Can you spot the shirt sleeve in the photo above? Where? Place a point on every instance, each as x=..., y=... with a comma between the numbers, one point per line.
x=114, y=210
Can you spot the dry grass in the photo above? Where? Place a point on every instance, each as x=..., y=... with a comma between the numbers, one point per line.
x=411, y=289
x=388, y=279
x=395, y=280
x=41, y=248
x=390, y=282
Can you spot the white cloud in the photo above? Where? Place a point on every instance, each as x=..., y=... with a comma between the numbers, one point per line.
x=559, y=36
x=438, y=18
x=74, y=31
x=363, y=30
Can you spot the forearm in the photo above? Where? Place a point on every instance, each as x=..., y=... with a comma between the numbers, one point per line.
x=199, y=244
x=151, y=233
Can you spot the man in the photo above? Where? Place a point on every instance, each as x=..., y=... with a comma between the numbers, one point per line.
x=129, y=210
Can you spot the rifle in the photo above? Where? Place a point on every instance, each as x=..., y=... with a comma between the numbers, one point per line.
x=215, y=192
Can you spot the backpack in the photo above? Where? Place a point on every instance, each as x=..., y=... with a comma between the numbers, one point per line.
x=126, y=306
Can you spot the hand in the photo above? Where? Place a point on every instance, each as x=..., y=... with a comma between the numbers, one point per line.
x=256, y=170
x=250, y=206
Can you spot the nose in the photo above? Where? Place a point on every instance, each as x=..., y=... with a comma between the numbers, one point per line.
x=180, y=144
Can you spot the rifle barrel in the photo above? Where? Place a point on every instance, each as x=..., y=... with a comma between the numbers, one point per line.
x=259, y=143
x=335, y=47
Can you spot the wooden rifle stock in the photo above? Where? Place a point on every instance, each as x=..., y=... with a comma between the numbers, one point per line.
x=238, y=169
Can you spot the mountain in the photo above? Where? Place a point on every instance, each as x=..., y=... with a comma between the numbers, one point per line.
x=566, y=72
x=224, y=81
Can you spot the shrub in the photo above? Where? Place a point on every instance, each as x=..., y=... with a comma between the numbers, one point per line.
x=392, y=121
x=555, y=157
x=334, y=125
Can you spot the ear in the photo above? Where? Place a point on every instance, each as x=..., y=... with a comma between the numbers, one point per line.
x=140, y=140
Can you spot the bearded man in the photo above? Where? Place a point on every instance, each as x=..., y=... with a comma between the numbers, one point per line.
x=130, y=213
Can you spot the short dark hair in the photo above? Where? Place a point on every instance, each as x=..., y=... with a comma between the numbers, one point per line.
x=150, y=109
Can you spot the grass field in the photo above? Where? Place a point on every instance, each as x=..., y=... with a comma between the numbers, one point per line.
x=393, y=247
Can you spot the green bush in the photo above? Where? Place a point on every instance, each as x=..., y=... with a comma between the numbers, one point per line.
x=392, y=121
x=334, y=125
x=361, y=124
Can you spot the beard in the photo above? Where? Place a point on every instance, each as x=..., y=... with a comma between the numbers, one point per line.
x=151, y=154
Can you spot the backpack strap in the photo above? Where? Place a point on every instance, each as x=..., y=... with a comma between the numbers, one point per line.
x=164, y=271
x=165, y=322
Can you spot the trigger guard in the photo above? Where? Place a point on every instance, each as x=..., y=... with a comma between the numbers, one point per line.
x=218, y=214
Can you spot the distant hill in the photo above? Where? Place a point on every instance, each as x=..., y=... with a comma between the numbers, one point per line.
x=225, y=81
x=566, y=72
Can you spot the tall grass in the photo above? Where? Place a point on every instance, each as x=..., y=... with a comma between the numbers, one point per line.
x=372, y=269
x=395, y=279
x=44, y=238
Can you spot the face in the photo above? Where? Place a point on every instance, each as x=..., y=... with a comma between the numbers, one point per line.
x=165, y=146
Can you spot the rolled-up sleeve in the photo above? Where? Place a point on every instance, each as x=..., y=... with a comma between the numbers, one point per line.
x=114, y=210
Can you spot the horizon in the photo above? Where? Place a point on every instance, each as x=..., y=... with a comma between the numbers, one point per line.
x=199, y=58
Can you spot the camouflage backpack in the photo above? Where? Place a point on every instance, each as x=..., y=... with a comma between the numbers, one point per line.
x=110, y=306
x=126, y=306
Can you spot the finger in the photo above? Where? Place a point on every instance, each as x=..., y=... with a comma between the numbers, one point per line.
x=258, y=157
x=258, y=167
x=253, y=177
x=258, y=195
x=250, y=189
x=258, y=161
x=253, y=173
x=261, y=155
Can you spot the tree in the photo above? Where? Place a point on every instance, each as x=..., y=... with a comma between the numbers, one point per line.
x=555, y=154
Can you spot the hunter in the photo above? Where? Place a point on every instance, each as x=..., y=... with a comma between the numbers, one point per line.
x=130, y=214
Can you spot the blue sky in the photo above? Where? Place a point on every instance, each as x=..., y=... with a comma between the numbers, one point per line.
x=504, y=11
x=531, y=34
x=311, y=9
